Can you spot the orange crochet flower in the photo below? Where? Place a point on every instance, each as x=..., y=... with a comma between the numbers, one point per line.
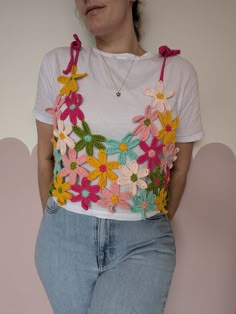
x=70, y=83
x=103, y=168
x=169, y=127
x=61, y=190
x=161, y=201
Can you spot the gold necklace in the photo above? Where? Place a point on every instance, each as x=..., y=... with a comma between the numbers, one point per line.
x=118, y=90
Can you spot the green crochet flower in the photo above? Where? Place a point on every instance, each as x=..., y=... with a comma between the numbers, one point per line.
x=123, y=148
x=144, y=202
x=88, y=140
x=157, y=177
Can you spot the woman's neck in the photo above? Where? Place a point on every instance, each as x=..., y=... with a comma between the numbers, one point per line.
x=127, y=43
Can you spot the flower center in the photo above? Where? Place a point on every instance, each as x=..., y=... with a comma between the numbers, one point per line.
x=85, y=193
x=60, y=190
x=169, y=158
x=123, y=147
x=144, y=204
x=156, y=181
x=62, y=136
x=115, y=199
x=73, y=165
x=103, y=168
x=151, y=153
x=160, y=96
x=134, y=177
x=147, y=122
x=168, y=128
x=88, y=138
x=72, y=107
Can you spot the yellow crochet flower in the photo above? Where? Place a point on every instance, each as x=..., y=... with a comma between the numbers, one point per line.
x=103, y=168
x=60, y=190
x=161, y=201
x=70, y=83
x=168, y=127
x=54, y=142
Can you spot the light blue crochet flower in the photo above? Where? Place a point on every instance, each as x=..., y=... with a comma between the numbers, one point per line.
x=57, y=158
x=144, y=202
x=123, y=148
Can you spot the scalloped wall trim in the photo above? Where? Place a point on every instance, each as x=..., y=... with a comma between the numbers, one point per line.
x=204, y=227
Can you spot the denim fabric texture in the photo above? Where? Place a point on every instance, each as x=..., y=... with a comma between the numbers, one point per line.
x=90, y=265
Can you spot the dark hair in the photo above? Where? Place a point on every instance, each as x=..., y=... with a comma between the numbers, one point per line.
x=136, y=18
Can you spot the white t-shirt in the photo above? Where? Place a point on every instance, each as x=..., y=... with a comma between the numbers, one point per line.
x=110, y=115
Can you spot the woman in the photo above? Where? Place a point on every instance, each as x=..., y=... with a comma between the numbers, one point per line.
x=121, y=118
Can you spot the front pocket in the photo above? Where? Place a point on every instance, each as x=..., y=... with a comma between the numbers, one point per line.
x=52, y=207
x=156, y=216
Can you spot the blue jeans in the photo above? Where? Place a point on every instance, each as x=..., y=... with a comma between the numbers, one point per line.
x=90, y=265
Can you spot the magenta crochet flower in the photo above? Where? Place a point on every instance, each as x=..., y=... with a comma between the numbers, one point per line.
x=73, y=110
x=86, y=193
x=151, y=153
x=114, y=198
x=55, y=110
x=72, y=166
x=146, y=124
x=169, y=156
x=160, y=98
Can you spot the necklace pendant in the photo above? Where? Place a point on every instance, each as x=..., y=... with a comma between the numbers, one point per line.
x=118, y=94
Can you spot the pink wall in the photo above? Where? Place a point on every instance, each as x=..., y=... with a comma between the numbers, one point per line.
x=204, y=279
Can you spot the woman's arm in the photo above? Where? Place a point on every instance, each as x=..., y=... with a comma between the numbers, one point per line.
x=179, y=176
x=45, y=160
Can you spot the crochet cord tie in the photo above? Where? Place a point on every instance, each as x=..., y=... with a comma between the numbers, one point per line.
x=74, y=47
x=166, y=52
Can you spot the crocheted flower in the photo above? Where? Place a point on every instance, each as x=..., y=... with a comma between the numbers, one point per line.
x=151, y=153
x=169, y=126
x=63, y=140
x=72, y=166
x=157, y=177
x=160, y=98
x=146, y=124
x=70, y=82
x=133, y=177
x=143, y=202
x=169, y=156
x=161, y=201
x=103, y=168
x=123, y=148
x=60, y=190
x=88, y=140
x=114, y=198
x=57, y=161
x=73, y=110
x=55, y=110
x=86, y=193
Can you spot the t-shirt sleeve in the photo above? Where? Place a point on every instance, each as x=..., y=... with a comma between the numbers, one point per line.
x=45, y=93
x=190, y=124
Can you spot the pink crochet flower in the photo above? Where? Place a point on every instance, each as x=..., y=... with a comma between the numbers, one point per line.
x=160, y=98
x=55, y=110
x=114, y=198
x=72, y=166
x=146, y=124
x=169, y=156
x=133, y=176
x=151, y=153
x=63, y=140
x=86, y=193
x=73, y=110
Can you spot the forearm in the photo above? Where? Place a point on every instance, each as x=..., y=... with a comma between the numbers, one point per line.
x=45, y=176
x=176, y=190
x=178, y=177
